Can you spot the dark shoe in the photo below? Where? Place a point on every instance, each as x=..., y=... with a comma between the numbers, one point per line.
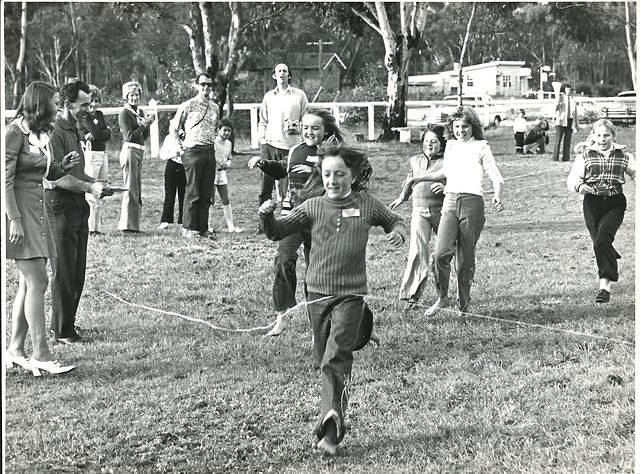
x=95, y=232
x=207, y=235
x=69, y=340
x=603, y=296
x=328, y=445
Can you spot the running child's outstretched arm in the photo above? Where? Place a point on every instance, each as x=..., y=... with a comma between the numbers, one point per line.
x=277, y=229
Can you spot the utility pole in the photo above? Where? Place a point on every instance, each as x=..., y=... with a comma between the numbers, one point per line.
x=320, y=43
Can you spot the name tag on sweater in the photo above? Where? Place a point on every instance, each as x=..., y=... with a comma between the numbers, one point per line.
x=351, y=213
x=312, y=159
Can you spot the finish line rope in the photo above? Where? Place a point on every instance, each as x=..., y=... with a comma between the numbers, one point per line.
x=304, y=303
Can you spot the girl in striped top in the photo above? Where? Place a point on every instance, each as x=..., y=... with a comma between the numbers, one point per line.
x=336, y=279
x=599, y=173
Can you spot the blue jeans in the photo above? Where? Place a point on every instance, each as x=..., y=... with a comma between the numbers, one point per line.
x=460, y=226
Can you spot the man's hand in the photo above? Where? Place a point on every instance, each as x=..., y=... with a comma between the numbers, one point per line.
x=100, y=189
x=16, y=233
x=267, y=207
x=88, y=136
x=70, y=160
x=395, y=238
x=253, y=162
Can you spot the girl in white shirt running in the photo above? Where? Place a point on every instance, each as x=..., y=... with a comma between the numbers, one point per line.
x=466, y=159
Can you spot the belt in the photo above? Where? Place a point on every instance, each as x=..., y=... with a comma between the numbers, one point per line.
x=134, y=145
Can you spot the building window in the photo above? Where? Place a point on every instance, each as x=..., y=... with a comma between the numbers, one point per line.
x=469, y=81
x=506, y=82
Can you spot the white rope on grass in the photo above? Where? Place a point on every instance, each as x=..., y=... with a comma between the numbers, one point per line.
x=195, y=320
x=509, y=178
x=523, y=323
x=212, y=326
x=379, y=298
x=538, y=185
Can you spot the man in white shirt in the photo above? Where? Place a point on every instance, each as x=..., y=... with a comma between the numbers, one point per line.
x=281, y=113
x=566, y=123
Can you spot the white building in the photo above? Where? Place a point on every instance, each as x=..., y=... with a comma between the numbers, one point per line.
x=497, y=79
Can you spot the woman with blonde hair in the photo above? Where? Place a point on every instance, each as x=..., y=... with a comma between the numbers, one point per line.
x=134, y=125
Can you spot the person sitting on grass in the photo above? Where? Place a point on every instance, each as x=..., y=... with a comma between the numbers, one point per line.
x=598, y=173
x=339, y=224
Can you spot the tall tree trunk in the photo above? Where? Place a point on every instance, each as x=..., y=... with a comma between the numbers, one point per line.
x=88, y=72
x=194, y=30
x=75, y=40
x=20, y=79
x=209, y=35
x=464, y=48
x=231, y=67
x=631, y=45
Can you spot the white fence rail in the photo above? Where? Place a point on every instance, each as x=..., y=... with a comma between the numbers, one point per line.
x=532, y=106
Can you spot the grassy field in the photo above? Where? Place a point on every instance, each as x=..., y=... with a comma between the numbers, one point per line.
x=444, y=394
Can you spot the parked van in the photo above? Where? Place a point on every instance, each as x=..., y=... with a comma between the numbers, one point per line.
x=487, y=111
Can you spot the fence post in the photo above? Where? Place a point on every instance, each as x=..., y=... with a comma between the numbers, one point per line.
x=336, y=113
x=154, y=131
x=371, y=123
x=254, y=128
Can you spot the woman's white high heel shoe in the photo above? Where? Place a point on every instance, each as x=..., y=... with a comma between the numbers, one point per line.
x=13, y=360
x=52, y=366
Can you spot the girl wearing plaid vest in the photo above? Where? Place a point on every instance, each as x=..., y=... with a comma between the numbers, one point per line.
x=599, y=173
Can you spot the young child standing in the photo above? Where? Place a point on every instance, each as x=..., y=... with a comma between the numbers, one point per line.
x=223, y=159
x=519, y=131
x=339, y=224
x=598, y=173
x=426, y=183
x=466, y=159
x=317, y=127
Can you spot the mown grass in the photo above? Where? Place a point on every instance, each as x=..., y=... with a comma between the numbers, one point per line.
x=155, y=393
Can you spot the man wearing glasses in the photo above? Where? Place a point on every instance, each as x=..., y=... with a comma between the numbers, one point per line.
x=194, y=127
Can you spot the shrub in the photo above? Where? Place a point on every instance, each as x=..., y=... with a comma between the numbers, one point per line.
x=584, y=88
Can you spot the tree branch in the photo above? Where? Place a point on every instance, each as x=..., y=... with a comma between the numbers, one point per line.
x=265, y=17
x=367, y=21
